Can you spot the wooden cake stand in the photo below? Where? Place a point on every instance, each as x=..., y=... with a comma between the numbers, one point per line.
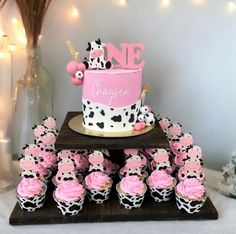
x=111, y=210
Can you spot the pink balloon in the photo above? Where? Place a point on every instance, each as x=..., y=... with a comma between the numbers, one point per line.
x=76, y=81
x=72, y=67
x=81, y=67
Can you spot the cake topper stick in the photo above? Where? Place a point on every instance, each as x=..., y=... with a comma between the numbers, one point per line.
x=74, y=53
x=146, y=89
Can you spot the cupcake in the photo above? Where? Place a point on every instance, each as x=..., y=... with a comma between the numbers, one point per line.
x=31, y=194
x=81, y=162
x=190, y=195
x=110, y=168
x=98, y=186
x=131, y=192
x=161, y=185
x=44, y=173
x=49, y=160
x=69, y=196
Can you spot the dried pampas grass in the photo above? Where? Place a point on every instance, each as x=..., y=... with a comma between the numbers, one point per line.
x=32, y=14
x=2, y=3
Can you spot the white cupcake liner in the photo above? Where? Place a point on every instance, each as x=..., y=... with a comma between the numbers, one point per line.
x=128, y=201
x=69, y=207
x=31, y=203
x=98, y=196
x=188, y=205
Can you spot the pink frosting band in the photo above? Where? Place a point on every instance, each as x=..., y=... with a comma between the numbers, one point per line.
x=160, y=179
x=30, y=187
x=69, y=191
x=114, y=88
x=191, y=189
x=132, y=185
x=97, y=180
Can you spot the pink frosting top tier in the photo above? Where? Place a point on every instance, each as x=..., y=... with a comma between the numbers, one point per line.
x=97, y=180
x=113, y=88
x=191, y=189
x=160, y=179
x=69, y=191
x=132, y=185
x=30, y=187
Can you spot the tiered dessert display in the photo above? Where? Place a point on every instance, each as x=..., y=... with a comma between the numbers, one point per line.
x=114, y=161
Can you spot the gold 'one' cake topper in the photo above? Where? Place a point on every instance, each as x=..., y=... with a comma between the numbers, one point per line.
x=74, y=53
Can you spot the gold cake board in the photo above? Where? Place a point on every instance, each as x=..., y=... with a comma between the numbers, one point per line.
x=76, y=124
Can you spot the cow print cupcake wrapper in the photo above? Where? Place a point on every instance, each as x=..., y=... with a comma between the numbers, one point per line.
x=161, y=195
x=98, y=196
x=130, y=202
x=70, y=208
x=32, y=203
x=189, y=206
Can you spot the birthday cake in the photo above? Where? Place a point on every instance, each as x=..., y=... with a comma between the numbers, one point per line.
x=112, y=96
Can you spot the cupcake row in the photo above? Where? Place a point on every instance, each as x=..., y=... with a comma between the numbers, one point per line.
x=37, y=163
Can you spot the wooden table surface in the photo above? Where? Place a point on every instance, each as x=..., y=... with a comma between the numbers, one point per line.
x=68, y=139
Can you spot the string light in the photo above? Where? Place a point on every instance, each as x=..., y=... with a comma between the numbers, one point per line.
x=12, y=48
x=22, y=38
x=122, y=3
x=40, y=36
x=74, y=12
x=1, y=32
x=198, y=2
x=165, y=4
x=231, y=6
x=14, y=21
x=2, y=55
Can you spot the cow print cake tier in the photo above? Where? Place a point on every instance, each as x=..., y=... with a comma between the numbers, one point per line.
x=112, y=96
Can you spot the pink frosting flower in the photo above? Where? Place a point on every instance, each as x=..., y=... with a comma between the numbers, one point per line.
x=97, y=180
x=43, y=172
x=69, y=191
x=132, y=185
x=81, y=162
x=30, y=187
x=160, y=179
x=110, y=167
x=191, y=188
x=49, y=159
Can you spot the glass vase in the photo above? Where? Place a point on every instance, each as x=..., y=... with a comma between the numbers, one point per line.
x=32, y=100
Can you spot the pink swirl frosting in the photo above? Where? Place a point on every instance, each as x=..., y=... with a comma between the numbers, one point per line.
x=43, y=172
x=30, y=187
x=81, y=161
x=69, y=191
x=191, y=188
x=110, y=167
x=160, y=179
x=49, y=159
x=132, y=185
x=97, y=180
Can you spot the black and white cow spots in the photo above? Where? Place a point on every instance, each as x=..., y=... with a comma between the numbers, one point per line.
x=130, y=202
x=160, y=195
x=116, y=118
x=98, y=196
x=32, y=203
x=70, y=208
x=131, y=119
x=102, y=118
x=189, y=206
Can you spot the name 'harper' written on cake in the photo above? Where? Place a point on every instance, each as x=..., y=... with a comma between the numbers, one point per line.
x=110, y=93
